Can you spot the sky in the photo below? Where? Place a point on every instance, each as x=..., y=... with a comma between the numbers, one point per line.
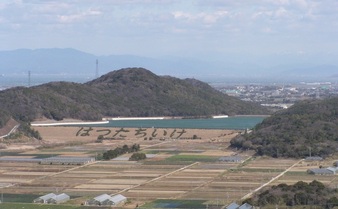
x=247, y=30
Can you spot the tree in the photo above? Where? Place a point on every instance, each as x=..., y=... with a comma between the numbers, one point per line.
x=137, y=156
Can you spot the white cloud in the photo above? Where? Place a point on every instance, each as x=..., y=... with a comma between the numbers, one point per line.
x=2, y=6
x=301, y=3
x=71, y=18
x=281, y=22
x=205, y=17
x=281, y=12
x=268, y=30
x=51, y=8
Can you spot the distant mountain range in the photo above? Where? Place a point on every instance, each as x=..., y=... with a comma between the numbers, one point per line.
x=73, y=62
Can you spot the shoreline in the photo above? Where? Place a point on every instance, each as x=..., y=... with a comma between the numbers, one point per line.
x=222, y=122
x=70, y=123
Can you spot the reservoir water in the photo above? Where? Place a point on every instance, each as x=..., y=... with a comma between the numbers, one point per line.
x=238, y=123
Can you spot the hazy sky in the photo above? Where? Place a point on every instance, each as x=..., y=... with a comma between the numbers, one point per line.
x=202, y=29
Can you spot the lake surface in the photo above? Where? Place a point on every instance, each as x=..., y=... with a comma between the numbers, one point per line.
x=238, y=123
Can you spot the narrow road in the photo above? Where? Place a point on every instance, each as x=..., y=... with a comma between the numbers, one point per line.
x=157, y=178
x=64, y=171
x=269, y=182
x=11, y=131
x=52, y=174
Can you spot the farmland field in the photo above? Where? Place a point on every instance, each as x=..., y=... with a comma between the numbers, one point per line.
x=179, y=173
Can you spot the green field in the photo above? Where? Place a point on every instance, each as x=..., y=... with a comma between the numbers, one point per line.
x=46, y=206
x=192, y=158
x=178, y=204
x=22, y=198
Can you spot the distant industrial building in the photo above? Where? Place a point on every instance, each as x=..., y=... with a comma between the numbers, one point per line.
x=66, y=160
x=52, y=198
x=107, y=200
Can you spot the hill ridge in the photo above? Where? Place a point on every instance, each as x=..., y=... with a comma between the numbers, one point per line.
x=135, y=92
x=307, y=128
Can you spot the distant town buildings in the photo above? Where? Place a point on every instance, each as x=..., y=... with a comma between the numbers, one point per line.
x=279, y=96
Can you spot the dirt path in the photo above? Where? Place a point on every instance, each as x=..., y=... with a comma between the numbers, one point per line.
x=10, y=127
x=155, y=179
x=269, y=182
x=65, y=171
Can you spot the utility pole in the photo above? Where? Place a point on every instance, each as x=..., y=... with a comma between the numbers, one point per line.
x=29, y=78
x=97, y=69
x=310, y=151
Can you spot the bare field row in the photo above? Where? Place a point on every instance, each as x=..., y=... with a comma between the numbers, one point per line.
x=171, y=172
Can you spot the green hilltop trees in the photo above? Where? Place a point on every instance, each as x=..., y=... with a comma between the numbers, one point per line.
x=314, y=193
x=307, y=128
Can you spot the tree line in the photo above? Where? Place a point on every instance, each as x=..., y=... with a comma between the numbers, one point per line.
x=300, y=193
x=110, y=154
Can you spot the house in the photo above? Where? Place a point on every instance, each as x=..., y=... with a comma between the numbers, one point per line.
x=236, y=206
x=61, y=198
x=106, y=199
x=233, y=159
x=44, y=198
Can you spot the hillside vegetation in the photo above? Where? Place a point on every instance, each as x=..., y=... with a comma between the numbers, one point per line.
x=314, y=193
x=134, y=92
x=307, y=128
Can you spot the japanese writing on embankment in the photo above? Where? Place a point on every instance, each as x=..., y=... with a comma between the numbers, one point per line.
x=111, y=133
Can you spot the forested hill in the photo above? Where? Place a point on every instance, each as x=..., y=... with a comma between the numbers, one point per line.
x=308, y=126
x=308, y=195
x=126, y=92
